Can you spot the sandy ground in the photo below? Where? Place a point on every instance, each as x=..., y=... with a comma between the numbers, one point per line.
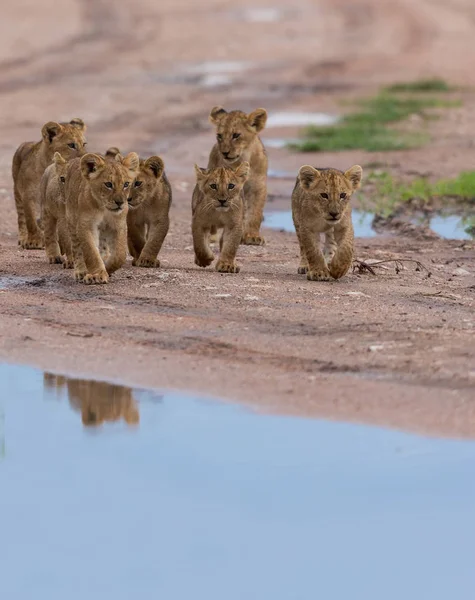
x=395, y=349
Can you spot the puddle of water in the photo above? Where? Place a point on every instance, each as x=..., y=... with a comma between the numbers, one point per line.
x=262, y=15
x=279, y=143
x=450, y=227
x=280, y=174
x=300, y=119
x=214, y=67
x=282, y=220
x=211, y=501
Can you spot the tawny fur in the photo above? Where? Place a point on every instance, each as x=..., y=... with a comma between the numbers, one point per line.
x=97, y=190
x=29, y=163
x=238, y=141
x=218, y=203
x=321, y=204
x=150, y=199
x=97, y=401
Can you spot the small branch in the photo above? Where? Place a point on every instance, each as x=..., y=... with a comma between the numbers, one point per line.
x=363, y=267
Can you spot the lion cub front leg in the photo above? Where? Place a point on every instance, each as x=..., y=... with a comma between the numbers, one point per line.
x=156, y=236
x=343, y=258
x=117, y=242
x=330, y=247
x=53, y=251
x=228, y=247
x=317, y=267
x=203, y=254
x=255, y=195
x=95, y=268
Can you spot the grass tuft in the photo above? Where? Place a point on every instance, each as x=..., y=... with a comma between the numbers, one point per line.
x=369, y=127
x=422, y=85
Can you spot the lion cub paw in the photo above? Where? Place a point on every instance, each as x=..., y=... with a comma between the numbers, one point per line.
x=253, y=240
x=32, y=243
x=302, y=269
x=79, y=275
x=318, y=275
x=55, y=260
x=146, y=263
x=93, y=278
x=68, y=263
x=203, y=261
x=225, y=267
x=338, y=270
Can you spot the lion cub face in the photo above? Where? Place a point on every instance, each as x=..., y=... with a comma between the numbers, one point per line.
x=235, y=131
x=150, y=173
x=330, y=189
x=110, y=180
x=222, y=187
x=66, y=138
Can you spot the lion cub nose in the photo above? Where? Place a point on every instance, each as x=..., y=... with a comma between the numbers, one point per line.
x=119, y=202
x=334, y=214
x=222, y=201
x=226, y=154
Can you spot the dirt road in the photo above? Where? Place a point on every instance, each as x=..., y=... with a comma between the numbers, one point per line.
x=396, y=349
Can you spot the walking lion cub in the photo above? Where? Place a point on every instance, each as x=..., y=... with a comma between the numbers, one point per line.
x=97, y=191
x=321, y=204
x=29, y=163
x=218, y=202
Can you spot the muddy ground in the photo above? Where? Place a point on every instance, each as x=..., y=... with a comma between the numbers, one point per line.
x=395, y=349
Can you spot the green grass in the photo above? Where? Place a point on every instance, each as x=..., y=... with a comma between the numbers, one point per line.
x=390, y=193
x=421, y=86
x=369, y=127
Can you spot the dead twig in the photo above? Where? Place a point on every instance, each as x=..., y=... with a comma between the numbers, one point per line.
x=363, y=267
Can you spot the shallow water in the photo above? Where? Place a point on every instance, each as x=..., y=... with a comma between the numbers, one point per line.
x=282, y=220
x=300, y=119
x=185, y=498
x=448, y=227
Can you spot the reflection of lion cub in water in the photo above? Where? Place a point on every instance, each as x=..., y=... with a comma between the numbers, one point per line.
x=97, y=401
x=150, y=199
x=321, y=204
x=218, y=202
x=29, y=163
x=238, y=141
x=96, y=208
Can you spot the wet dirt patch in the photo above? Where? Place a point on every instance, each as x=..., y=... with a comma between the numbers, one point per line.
x=160, y=484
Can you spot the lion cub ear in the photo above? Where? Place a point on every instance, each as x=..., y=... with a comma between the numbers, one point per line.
x=50, y=130
x=131, y=162
x=258, y=119
x=91, y=165
x=58, y=159
x=243, y=171
x=79, y=123
x=155, y=165
x=216, y=113
x=355, y=174
x=307, y=175
x=112, y=152
x=200, y=173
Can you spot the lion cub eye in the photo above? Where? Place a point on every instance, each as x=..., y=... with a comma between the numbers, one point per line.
x=343, y=195
x=324, y=196
x=109, y=185
x=213, y=186
x=62, y=179
x=126, y=185
x=73, y=146
x=137, y=184
x=231, y=186
x=236, y=136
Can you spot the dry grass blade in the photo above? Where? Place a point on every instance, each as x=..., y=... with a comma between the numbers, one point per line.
x=363, y=267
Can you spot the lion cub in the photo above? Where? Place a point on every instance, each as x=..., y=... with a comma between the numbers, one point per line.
x=321, y=204
x=218, y=203
x=150, y=199
x=97, y=190
x=238, y=141
x=29, y=163
x=53, y=212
